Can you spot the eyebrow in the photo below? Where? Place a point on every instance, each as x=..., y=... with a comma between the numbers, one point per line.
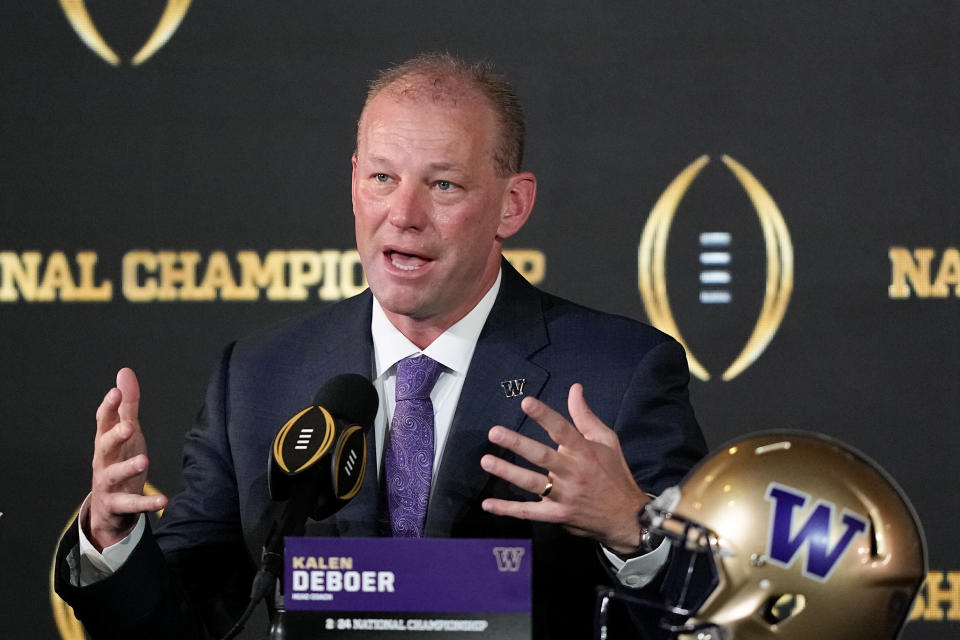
x=446, y=166
x=433, y=166
x=377, y=159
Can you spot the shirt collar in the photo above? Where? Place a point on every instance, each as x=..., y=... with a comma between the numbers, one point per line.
x=453, y=348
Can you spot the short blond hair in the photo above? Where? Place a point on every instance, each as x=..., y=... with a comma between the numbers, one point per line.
x=451, y=77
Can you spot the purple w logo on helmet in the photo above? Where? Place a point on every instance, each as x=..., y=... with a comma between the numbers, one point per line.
x=787, y=538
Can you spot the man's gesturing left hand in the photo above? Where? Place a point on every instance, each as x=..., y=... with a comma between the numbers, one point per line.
x=593, y=492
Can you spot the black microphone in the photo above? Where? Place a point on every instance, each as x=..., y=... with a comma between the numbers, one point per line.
x=319, y=456
x=315, y=467
x=318, y=459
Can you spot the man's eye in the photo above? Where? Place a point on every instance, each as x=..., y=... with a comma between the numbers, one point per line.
x=444, y=185
x=381, y=177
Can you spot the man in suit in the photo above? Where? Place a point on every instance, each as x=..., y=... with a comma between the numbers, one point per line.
x=437, y=186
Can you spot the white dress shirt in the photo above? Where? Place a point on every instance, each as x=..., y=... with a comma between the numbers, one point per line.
x=453, y=349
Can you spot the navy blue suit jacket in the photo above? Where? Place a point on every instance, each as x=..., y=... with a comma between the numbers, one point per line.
x=194, y=571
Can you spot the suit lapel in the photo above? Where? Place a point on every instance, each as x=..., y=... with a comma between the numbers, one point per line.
x=512, y=334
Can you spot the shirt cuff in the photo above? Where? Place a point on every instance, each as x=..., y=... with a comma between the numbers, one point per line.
x=95, y=565
x=640, y=571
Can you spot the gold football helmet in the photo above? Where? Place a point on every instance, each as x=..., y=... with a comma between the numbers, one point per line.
x=788, y=535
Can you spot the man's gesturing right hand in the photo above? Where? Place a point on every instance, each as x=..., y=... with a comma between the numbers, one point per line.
x=119, y=466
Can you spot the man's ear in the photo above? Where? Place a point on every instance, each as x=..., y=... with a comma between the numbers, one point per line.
x=518, y=202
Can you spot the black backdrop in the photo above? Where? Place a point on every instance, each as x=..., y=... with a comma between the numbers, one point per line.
x=236, y=135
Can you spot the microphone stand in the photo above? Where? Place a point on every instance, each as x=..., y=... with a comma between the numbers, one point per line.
x=291, y=522
x=278, y=629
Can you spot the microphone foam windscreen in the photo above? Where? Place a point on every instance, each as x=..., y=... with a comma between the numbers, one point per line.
x=351, y=397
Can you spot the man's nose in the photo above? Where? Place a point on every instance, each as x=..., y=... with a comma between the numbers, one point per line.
x=408, y=207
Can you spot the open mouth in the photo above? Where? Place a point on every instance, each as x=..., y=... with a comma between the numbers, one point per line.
x=406, y=261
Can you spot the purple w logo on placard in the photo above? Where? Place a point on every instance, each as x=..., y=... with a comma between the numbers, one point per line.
x=786, y=539
x=508, y=558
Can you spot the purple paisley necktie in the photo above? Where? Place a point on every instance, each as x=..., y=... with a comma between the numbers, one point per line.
x=409, y=459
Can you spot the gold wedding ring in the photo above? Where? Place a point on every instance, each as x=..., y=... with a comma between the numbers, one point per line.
x=547, y=489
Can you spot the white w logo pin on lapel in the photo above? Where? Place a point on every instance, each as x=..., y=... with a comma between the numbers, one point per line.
x=513, y=388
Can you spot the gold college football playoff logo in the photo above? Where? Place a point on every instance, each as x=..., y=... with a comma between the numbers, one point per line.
x=779, y=265
x=82, y=23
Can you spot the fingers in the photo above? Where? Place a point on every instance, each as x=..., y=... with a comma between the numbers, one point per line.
x=112, y=516
x=542, y=511
x=107, y=415
x=130, y=395
x=113, y=477
x=119, y=457
x=570, y=442
x=110, y=443
x=589, y=425
x=120, y=403
x=119, y=504
x=119, y=465
x=117, y=421
x=593, y=492
x=112, y=493
x=526, y=479
x=557, y=427
x=527, y=448
x=116, y=469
